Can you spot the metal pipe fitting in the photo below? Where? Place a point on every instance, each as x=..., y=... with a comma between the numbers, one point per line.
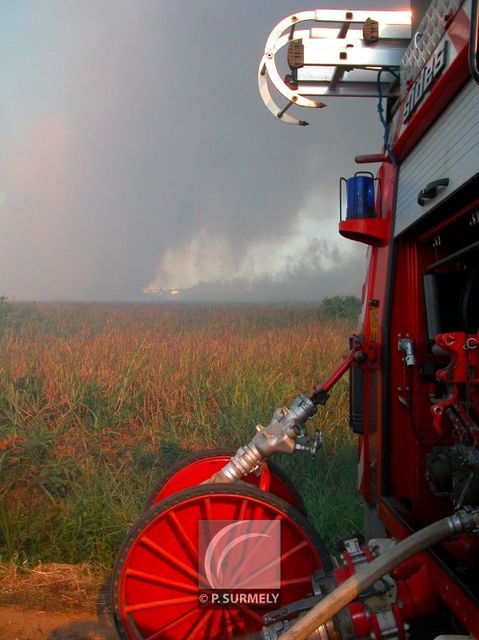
x=406, y=345
x=278, y=437
x=461, y=522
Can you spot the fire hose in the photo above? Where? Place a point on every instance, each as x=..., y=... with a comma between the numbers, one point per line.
x=460, y=522
x=285, y=434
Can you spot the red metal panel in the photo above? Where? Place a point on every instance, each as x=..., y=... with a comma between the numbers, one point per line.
x=451, y=594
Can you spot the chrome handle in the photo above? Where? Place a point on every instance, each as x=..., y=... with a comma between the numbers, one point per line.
x=430, y=190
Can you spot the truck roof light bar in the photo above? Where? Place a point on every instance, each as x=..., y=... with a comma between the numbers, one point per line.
x=341, y=57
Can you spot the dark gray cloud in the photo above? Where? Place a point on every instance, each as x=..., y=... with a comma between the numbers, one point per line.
x=144, y=143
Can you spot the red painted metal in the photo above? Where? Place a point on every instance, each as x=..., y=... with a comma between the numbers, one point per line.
x=462, y=350
x=333, y=379
x=393, y=448
x=465, y=548
x=196, y=471
x=369, y=158
x=369, y=343
x=415, y=594
x=265, y=477
x=372, y=231
x=445, y=586
x=155, y=582
x=455, y=345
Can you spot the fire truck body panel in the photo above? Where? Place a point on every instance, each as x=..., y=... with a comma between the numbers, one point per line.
x=416, y=284
x=432, y=72
x=413, y=384
x=447, y=150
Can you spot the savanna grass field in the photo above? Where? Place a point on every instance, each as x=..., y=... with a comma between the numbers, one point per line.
x=98, y=400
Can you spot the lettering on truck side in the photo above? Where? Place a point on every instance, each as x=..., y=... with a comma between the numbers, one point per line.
x=425, y=80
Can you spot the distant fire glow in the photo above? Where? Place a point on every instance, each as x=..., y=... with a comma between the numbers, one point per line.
x=155, y=291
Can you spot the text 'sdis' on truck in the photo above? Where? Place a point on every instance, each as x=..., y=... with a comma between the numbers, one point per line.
x=224, y=549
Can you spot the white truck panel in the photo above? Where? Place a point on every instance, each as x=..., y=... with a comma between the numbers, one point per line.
x=449, y=149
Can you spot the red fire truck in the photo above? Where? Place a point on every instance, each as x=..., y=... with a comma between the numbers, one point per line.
x=413, y=368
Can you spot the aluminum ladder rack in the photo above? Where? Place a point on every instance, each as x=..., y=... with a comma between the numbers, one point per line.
x=341, y=57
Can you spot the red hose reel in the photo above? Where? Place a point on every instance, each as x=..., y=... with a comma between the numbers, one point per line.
x=156, y=582
x=200, y=466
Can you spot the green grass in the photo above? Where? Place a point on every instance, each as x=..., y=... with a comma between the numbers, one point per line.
x=97, y=401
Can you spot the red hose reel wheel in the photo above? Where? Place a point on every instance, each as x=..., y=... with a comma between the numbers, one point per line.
x=197, y=467
x=155, y=583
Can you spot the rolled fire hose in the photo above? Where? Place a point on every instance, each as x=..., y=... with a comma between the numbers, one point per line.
x=464, y=520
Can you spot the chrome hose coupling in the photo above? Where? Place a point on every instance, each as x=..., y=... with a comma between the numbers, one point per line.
x=466, y=519
x=278, y=437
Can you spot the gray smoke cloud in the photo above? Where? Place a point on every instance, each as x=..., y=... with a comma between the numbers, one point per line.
x=137, y=153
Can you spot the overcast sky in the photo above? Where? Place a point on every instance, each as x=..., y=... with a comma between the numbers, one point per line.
x=136, y=152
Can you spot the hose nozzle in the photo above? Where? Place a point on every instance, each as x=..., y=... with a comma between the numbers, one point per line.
x=278, y=437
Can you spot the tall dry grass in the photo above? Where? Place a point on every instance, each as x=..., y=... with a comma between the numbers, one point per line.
x=96, y=401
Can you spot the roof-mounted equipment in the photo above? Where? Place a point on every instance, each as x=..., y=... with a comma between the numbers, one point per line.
x=342, y=56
